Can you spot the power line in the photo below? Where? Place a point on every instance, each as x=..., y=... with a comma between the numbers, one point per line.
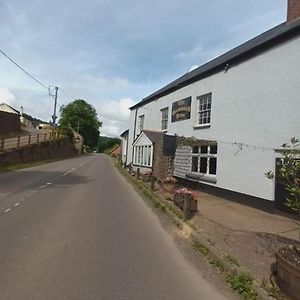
x=28, y=74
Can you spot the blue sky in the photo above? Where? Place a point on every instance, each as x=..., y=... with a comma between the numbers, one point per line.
x=114, y=53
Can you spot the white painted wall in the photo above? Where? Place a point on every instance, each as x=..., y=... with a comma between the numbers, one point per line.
x=256, y=102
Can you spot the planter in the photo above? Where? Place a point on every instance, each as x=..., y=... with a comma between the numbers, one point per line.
x=169, y=187
x=179, y=201
x=147, y=177
x=288, y=273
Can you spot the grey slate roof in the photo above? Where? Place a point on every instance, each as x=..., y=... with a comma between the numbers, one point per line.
x=154, y=136
x=246, y=50
x=124, y=133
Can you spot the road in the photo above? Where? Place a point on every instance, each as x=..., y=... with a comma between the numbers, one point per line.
x=75, y=229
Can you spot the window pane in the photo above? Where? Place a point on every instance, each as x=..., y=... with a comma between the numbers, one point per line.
x=149, y=155
x=203, y=164
x=213, y=166
x=204, y=149
x=195, y=149
x=213, y=149
x=195, y=164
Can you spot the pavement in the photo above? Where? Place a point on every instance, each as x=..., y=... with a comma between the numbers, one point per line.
x=75, y=229
x=240, y=217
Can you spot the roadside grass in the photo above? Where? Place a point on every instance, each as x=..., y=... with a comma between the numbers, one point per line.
x=239, y=281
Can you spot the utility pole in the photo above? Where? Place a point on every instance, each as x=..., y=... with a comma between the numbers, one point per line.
x=55, y=105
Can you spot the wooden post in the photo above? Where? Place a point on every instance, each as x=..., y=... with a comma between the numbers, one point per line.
x=45, y=137
x=130, y=169
x=18, y=142
x=138, y=173
x=187, y=207
x=152, y=182
x=29, y=139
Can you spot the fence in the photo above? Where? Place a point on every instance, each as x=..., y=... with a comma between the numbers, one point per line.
x=21, y=141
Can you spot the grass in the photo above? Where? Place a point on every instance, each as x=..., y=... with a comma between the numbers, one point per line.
x=232, y=260
x=241, y=282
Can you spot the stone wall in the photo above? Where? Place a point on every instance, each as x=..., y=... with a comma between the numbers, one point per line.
x=36, y=152
x=9, y=123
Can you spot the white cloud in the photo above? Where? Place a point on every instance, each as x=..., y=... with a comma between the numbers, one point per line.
x=6, y=96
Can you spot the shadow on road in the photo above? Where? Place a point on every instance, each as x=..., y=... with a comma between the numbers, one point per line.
x=16, y=182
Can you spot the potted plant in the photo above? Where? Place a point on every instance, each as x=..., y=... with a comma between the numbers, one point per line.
x=169, y=184
x=147, y=176
x=288, y=258
x=180, y=196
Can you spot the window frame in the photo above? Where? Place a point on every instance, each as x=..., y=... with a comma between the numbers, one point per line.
x=208, y=155
x=203, y=115
x=164, y=121
x=143, y=155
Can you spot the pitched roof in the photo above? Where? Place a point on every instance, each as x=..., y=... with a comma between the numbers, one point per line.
x=153, y=136
x=10, y=107
x=261, y=43
x=124, y=133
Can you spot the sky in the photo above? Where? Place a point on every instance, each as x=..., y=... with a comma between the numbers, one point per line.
x=113, y=53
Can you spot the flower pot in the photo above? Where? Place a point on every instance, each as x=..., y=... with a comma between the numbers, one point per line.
x=288, y=274
x=179, y=201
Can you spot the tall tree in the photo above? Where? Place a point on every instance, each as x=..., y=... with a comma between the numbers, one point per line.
x=82, y=116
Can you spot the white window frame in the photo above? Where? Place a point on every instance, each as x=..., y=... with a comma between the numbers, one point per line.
x=207, y=155
x=141, y=122
x=164, y=118
x=143, y=155
x=204, y=110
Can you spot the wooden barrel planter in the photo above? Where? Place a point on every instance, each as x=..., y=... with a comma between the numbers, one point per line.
x=288, y=271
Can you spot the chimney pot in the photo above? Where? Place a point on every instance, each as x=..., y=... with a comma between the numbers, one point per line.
x=293, y=10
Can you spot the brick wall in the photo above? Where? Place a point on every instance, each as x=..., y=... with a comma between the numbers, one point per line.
x=9, y=122
x=162, y=164
x=293, y=11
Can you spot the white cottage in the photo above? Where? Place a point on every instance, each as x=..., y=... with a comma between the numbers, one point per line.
x=234, y=111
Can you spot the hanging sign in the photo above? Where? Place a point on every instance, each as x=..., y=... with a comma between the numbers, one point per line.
x=181, y=110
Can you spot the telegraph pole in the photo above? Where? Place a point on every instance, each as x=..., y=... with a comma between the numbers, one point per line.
x=55, y=105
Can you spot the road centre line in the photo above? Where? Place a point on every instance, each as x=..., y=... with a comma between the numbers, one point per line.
x=17, y=204
x=7, y=210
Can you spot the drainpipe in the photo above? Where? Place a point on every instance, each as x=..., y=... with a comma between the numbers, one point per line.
x=134, y=130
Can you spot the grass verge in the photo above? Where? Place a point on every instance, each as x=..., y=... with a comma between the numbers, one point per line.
x=240, y=281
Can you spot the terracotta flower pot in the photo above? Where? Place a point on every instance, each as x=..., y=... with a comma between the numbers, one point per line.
x=288, y=274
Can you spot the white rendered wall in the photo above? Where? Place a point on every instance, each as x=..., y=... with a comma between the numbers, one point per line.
x=256, y=102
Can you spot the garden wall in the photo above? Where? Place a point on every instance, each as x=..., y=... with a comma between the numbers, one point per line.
x=36, y=152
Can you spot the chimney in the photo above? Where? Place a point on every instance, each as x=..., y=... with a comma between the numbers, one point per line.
x=293, y=10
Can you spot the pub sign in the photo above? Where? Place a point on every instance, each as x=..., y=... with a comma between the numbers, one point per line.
x=181, y=110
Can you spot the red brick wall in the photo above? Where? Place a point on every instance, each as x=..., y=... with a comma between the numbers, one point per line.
x=293, y=11
x=9, y=122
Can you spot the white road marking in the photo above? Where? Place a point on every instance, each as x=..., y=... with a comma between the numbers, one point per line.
x=72, y=170
x=43, y=186
x=48, y=183
x=17, y=204
x=7, y=210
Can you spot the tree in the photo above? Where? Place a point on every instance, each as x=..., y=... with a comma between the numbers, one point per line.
x=82, y=117
x=107, y=143
x=289, y=174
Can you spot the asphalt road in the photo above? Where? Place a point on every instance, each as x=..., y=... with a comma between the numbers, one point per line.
x=75, y=229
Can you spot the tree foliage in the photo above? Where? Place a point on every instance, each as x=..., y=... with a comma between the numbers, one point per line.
x=81, y=116
x=107, y=143
x=289, y=173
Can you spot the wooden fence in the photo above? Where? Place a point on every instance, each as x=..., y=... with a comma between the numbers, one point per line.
x=25, y=140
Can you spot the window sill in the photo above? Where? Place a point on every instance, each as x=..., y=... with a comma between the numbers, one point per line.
x=142, y=166
x=164, y=130
x=202, y=126
x=201, y=177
